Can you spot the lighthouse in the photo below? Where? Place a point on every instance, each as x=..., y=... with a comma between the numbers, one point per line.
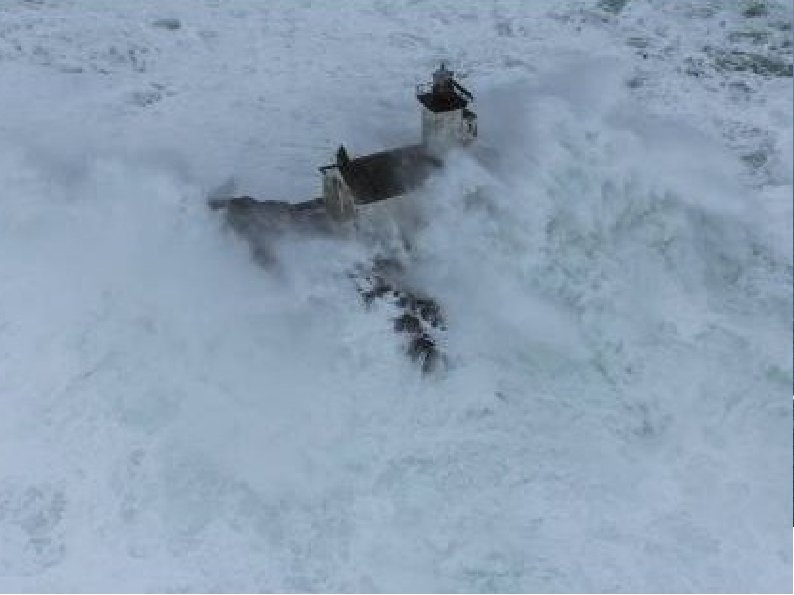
x=446, y=120
x=352, y=181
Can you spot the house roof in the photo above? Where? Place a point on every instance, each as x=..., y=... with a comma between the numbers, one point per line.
x=388, y=173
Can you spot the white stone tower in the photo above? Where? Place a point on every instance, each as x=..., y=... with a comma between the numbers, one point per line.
x=446, y=121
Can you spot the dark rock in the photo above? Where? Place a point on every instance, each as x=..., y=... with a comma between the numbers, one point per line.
x=736, y=61
x=635, y=82
x=145, y=98
x=387, y=266
x=638, y=42
x=407, y=323
x=756, y=159
x=168, y=24
x=504, y=29
x=406, y=301
x=755, y=9
x=430, y=312
x=419, y=315
x=754, y=36
x=423, y=349
x=612, y=6
x=379, y=288
x=694, y=66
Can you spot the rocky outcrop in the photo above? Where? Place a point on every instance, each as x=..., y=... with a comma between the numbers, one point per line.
x=420, y=319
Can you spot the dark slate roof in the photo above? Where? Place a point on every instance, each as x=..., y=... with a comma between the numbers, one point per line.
x=389, y=173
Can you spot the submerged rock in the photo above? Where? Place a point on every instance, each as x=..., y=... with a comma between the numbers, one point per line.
x=756, y=159
x=738, y=61
x=169, y=24
x=755, y=9
x=612, y=6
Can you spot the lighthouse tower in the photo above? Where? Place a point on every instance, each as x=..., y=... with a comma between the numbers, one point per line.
x=446, y=121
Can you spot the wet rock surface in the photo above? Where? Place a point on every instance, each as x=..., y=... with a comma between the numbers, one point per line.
x=169, y=24
x=407, y=323
x=756, y=63
x=420, y=319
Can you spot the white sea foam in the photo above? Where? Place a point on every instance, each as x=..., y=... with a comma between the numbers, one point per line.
x=616, y=410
